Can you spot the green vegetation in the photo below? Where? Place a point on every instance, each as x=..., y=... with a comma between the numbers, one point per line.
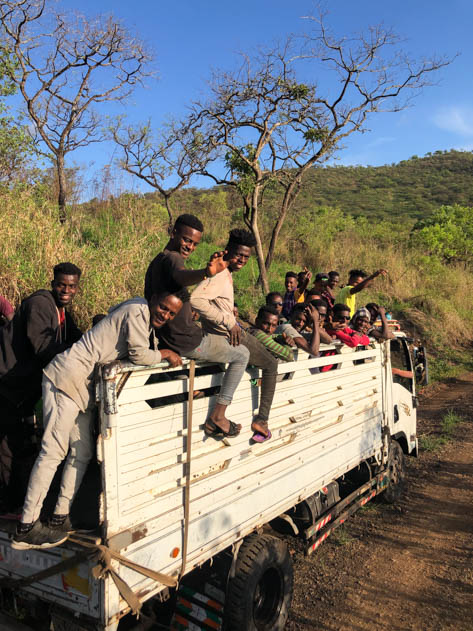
x=429, y=442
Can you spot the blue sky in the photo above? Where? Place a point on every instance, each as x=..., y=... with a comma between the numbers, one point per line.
x=190, y=37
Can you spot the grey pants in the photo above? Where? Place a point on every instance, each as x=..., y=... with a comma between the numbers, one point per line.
x=262, y=358
x=67, y=428
x=216, y=348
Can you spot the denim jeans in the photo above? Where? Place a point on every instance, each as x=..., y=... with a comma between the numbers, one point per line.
x=216, y=348
x=65, y=427
x=262, y=358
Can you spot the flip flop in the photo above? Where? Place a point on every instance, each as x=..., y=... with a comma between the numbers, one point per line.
x=213, y=430
x=261, y=438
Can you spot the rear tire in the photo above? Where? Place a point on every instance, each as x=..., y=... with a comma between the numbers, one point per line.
x=259, y=595
x=397, y=474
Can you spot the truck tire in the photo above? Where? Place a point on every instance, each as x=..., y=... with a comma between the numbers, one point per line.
x=397, y=474
x=260, y=593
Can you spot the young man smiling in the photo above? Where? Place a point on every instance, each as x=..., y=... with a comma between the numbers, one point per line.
x=213, y=299
x=41, y=328
x=69, y=406
x=167, y=272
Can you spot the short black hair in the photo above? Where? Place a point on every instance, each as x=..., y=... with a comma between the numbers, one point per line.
x=239, y=236
x=354, y=273
x=300, y=306
x=271, y=295
x=189, y=220
x=267, y=309
x=291, y=275
x=68, y=269
x=339, y=307
x=332, y=274
x=320, y=302
x=182, y=294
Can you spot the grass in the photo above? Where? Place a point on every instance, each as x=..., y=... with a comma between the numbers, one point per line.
x=341, y=536
x=448, y=424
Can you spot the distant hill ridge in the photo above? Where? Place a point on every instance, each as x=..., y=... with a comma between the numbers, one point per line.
x=411, y=188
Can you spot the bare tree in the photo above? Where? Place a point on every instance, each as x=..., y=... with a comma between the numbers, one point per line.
x=155, y=158
x=267, y=126
x=66, y=65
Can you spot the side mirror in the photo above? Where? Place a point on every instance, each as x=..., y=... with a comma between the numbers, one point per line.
x=421, y=366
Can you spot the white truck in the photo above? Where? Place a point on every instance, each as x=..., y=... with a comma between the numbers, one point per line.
x=172, y=500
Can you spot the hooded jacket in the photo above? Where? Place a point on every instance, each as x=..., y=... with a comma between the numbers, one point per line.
x=29, y=342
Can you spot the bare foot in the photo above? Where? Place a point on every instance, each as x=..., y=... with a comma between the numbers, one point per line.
x=261, y=427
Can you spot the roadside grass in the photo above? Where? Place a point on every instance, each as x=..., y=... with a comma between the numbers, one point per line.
x=448, y=424
x=341, y=536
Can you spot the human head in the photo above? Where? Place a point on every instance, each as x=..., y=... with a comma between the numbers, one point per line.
x=267, y=319
x=355, y=276
x=322, y=307
x=298, y=317
x=165, y=306
x=333, y=279
x=320, y=282
x=185, y=235
x=290, y=282
x=65, y=283
x=373, y=308
x=235, y=310
x=312, y=294
x=274, y=299
x=362, y=320
x=238, y=248
x=340, y=316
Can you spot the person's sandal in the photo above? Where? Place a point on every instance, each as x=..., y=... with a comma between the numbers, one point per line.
x=258, y=437
x=213, y=430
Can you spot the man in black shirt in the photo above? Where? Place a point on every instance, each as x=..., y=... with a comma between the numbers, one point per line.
x=167, y=273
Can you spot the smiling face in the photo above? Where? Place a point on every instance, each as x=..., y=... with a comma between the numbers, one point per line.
x=267, y=323
x=340, y=320
x=361, y=324
x=290, y=283
x=64, y=287
x=184, y=240
x=163, y=309
x=299, y=320
x=333, y=281
x=238, y=256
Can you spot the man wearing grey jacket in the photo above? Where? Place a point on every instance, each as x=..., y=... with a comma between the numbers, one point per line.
x=68, y=406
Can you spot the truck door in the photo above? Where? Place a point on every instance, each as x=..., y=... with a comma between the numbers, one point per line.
x=403, y=389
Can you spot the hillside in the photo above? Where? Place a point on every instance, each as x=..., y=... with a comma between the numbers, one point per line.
x=411, y=188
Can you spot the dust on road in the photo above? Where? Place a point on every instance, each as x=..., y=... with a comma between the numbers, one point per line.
x=406, y=567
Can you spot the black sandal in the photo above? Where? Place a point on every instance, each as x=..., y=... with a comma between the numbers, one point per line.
x=212, y=429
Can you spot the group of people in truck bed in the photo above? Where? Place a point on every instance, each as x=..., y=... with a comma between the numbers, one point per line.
x=44, y=354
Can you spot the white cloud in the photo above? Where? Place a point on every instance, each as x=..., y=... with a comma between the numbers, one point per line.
x=458, y=120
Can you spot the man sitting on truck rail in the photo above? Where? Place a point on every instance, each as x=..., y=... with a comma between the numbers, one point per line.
x=213, y=299
x=264, y=330
x=41, y=328
x=69, y=404
x=167, y=272
x=357, y=281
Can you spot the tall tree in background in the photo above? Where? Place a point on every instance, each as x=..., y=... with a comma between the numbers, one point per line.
x=270, y=121
x=66, y=65
x=159, y=158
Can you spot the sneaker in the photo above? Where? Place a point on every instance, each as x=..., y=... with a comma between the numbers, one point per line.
x=38, y=537
x=66, y=526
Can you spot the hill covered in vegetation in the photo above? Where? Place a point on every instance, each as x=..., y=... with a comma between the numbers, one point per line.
x=413, y=188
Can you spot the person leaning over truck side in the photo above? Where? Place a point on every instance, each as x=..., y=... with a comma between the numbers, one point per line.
x=69, y=403
x=303, y=315
x=379, y=333
x=266, y=323
x=182, y=335
x=213, y=299
x=357, y=281
x=41, y=328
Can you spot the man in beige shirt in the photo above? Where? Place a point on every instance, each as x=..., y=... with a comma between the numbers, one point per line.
x=213, y=300
x=68, y=406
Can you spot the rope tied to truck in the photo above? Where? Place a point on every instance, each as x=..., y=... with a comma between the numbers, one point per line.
x=103, y=556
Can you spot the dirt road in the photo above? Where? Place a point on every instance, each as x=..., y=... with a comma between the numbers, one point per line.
x=407, y=567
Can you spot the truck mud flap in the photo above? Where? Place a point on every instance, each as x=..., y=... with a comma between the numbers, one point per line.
x=198, y=610
x=339, y=513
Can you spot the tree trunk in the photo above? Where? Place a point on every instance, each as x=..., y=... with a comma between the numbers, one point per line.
x=169, y=210
x=263, y=276
x=62, y=187
x=288, y=200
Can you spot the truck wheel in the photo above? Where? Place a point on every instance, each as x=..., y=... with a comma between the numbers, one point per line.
x=397, y=474
x=259, y=595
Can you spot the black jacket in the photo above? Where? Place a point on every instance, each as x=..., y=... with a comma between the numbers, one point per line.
x=28, y=343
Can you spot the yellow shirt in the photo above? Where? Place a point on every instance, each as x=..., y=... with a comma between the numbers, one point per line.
x=346, y=298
